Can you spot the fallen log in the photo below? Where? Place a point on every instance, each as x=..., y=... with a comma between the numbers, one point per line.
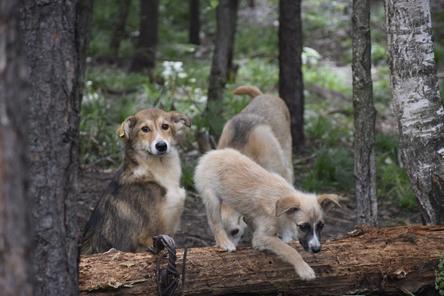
x=387, y=261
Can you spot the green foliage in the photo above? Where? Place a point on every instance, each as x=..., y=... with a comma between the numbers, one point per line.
x=392, y=181
x=332, y=170
x=112, y=93
x=326, y=77
x=439, y=281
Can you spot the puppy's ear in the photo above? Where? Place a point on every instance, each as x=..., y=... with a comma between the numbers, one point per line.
x=124, y=130
x=286, y=204
x=327, y=201
x=179, y=120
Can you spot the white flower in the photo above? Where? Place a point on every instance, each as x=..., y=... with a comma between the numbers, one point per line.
x=177, y=66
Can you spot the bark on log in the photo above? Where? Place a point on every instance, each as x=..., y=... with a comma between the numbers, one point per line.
x=386, y=261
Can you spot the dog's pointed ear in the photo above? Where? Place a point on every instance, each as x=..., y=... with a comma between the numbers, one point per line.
x=327, y=201
x=124, y=130
x=179, y=120
x=286, y=204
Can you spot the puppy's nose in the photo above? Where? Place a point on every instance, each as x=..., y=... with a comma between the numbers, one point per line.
x=316, y=249
x=161, y=146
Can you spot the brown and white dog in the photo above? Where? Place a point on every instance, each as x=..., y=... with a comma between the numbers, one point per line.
x=275, y=211
x=145, y=198
x=262, y=132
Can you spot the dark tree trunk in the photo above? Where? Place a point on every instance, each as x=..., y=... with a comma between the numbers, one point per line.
x=194, y=17
x=291, y=86
x=222, y=61
x=119, y=28
x=145, y=56
x=55, y=35
x=15, y=266
x=364, y=115
x=417, y=103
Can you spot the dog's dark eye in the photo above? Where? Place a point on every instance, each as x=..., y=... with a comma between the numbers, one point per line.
x=145, y=129
x=292, y=210
x=304, y=227
x=320, y=225
x=165, y=126
x=234, y=232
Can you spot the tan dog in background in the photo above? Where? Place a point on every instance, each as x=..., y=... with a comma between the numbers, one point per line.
x=270, y=205
x=262, y=132
x=145, y=198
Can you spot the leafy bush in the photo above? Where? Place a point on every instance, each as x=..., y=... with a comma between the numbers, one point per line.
x=439, y=281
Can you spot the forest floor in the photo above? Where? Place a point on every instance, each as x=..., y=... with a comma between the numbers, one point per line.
x=325, y=164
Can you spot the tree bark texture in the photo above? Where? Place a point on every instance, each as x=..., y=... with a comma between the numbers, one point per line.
x=416, y=101
x=145, y=56
x=194, y=25
x=226, y=14
x=55, y=36
x=388, y=261
x=291, y=85
x=364, y=116
x=15, y=266
x=119, y=28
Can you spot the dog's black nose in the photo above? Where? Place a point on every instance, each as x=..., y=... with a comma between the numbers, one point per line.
x=161, y=146
x=316, y=249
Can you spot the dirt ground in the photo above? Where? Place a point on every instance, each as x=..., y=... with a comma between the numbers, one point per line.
x=195, y=232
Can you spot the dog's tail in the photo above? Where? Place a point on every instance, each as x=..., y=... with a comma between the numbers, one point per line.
x=252, y=91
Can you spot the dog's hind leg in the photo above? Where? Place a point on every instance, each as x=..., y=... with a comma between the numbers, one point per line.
x=264, y=148
x=263, y=241
x=213, y=206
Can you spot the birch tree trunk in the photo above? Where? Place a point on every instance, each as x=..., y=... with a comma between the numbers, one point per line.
x=15, y=266
x=226, y=14
x=55, y=35
x=291, y=85
x=417, y=103
x=145, y=56
x=364, y=115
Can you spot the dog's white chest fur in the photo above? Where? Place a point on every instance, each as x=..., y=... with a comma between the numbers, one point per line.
x=167, y=172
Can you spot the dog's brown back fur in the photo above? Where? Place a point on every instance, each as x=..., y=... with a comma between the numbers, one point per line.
x=255, y=130
x=125, y=218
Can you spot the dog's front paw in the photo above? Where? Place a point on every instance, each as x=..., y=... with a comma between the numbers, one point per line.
x=305, y=272
x=227, y=246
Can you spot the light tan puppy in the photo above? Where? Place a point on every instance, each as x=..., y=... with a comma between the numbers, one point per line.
x=270, y=205
x=260, y=131
x=145, y=198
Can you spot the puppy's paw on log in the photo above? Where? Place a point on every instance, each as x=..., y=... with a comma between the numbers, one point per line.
x=227, y=246
x=305, y=272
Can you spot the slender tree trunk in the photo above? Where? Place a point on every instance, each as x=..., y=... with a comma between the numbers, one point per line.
x=222, y=60
x=291, y=85
x=365, y=115
x=145, y=56
x=55, y=35
x=417, y=103
x=119, y=28
x=15, y=266
x=194, y=18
